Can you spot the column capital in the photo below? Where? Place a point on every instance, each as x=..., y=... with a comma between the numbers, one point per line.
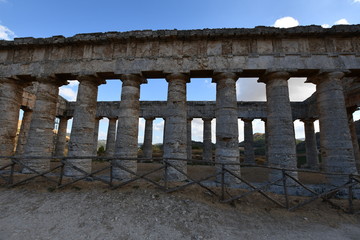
x=317, y=78
x=273, y=75
x=63, y=117
x=92, y=79
x=308, y=120
x=181, y=76
x=17, y=80
x=132, y=80
x=247, y=119
x=58, y=82
x=149, y=118
x=224, y=75
x=112, y=118
x=207, y=119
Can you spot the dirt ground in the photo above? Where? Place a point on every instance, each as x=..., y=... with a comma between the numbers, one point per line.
x=90, y=210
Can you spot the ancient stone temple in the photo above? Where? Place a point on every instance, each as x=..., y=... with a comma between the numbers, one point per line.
x=328, y=58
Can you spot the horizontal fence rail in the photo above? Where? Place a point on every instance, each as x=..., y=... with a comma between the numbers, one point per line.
x=55, y=176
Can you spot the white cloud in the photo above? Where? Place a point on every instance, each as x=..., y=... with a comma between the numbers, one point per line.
x=197, y=128
x=342, y=21
x=356, y=1
x=325, y=26
x=248, y=89
x=68, y=93
x=6, y=33
x=299, y=90
x=286, y=22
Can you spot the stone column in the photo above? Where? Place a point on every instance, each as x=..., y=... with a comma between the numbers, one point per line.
x=249, y=142
x=335, y=139
x=24, y=130
x=279, y=125
x=227, y=135
x=10, y=100
x=354, y=139
x=41, y=131
x=128, y=126
x=175, y=141
x=189, y=144
x=110, y=139
x=147, y=146
x=312, y=160
x=96, y=135
x=84, y=122
x=266, y=141
x=61, y=137
x=207, y=148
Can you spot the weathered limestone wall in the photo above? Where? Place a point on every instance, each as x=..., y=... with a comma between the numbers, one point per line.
x=198, y=52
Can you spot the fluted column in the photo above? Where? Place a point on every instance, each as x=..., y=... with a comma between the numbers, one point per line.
x=24, y=130
x=10, y=100
x=175, y=145
x=41, y=131
x=61, y=137
x=189, y=145
x=147, y=146
x=110, y=139
x=312, y=159
x=96, y=135
x=335, y=139
x=249, y=142
x=227, y=135
x=354, y=138
x=279, y=125
x=82, y=132
x=128, y=126
x=207, y=148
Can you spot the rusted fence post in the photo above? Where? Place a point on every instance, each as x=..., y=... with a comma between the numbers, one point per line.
x=350, y=193
x=61, y=173
x=165, y=174
x=222, y=182
x=285, y=188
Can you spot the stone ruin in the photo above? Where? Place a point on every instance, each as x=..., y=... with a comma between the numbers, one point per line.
x=32, y=70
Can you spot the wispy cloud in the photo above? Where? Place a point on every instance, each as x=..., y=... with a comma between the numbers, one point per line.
x=356, y=1
x=6, y=33
x=286, y=22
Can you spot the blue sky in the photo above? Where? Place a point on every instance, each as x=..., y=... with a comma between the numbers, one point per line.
x=45, y=18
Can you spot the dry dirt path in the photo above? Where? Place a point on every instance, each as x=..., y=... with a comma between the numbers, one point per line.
x=140, y=213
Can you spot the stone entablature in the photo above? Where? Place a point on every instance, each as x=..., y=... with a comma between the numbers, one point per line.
x=200, y=53
x=196, y=109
